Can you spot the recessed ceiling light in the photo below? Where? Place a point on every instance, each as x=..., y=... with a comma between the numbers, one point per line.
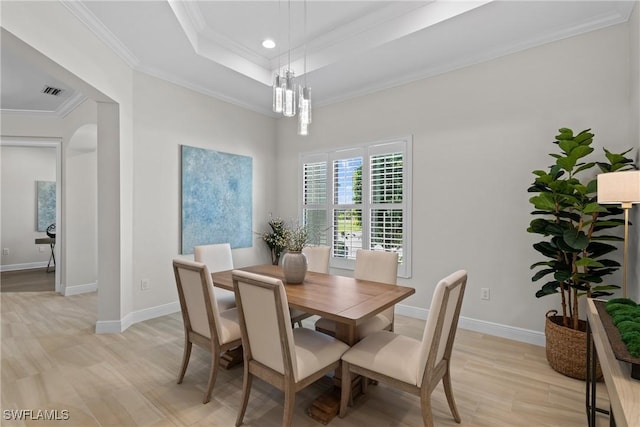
x=269, y=44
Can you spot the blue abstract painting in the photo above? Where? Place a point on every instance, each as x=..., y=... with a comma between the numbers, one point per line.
x=217, y=199
x=45, y=204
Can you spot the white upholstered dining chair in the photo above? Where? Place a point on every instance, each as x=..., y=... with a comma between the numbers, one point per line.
x=376, y=266
x=218, y=258
x=287, y=358
x=204, y=323
x=317, y=258
x=409, y=364
x=318, y=262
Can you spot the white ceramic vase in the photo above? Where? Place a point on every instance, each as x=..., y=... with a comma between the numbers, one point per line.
x=294, y=267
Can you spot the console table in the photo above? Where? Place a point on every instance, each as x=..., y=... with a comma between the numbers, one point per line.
x=624, y=391
x=52, y=244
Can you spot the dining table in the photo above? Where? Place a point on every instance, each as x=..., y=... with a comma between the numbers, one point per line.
x=346, y=300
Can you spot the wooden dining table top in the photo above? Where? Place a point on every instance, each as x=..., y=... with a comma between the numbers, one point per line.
x=345, y=300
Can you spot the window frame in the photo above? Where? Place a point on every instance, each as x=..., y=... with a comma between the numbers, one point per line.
x=366, y=151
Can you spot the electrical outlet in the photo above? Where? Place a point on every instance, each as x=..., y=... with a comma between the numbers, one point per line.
x=144, y=284
x=5, y=251
x=485, y=294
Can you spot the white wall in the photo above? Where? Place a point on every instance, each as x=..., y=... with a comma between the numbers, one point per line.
x=21, y=168
x=151, y=195
x=80, y=183
x=76, y=260
x=478, y=133
x=165, y=117
x=57, y=40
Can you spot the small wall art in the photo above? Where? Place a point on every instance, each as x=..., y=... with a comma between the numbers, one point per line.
x=217, y=199
x=45, y=204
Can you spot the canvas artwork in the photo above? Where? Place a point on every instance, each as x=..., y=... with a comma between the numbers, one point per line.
x=217, y=199
x=45, y=204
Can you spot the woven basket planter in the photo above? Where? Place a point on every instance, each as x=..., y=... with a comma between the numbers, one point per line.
x=567, y=348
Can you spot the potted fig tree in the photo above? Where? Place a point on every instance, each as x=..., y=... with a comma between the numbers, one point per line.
x=576, y=244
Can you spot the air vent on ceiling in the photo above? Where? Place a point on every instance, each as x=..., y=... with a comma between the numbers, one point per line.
x=50, y=90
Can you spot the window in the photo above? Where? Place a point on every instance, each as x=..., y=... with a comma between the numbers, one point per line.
x=359, y=198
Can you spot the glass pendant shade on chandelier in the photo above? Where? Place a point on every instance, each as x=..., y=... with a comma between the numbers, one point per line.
x=287, y=95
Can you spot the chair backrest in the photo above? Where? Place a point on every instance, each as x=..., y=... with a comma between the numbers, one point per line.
x=217, y=257
x=267, y=335
x=377, y=266
x=317, y=258
x=197, y=300
x=442, y=322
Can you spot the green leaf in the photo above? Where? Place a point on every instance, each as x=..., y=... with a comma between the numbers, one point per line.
x=546, y=249
x=613, y=157
x=599, y=294
x=581, y=151
x=540, y=263
x=605, y=288
x=566, y=163
x=594, y=207
x=597, y=249
x=567, y=145
x=540, y=274
x=538, y=226
x=592, y=186
x=543, y=201
x=588, y=262
x=565, y=133
x=580, y=286
x=562, y=275
x=586, y=166
x=575, y=239
x=609, y=263
x=584, y=136
x=608, y=238
x=548, y=289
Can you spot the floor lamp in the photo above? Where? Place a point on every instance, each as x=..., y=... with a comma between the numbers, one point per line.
x=621, y=188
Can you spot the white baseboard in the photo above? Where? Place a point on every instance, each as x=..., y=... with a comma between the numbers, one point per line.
x=80, y=289
x=153, y=312
x=117, y=326
x=25, y=266
x=108, y=327
x=482, y=326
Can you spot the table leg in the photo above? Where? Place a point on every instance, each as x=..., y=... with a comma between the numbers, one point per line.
x=591, y=383
x=231, y=357
x=52, y=257
x=326, y=406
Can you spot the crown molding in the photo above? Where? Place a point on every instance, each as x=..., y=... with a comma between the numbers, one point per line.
x=80, y=11
x=601, y=22
x=171, y=78
x=70, y=104
x=63, y=109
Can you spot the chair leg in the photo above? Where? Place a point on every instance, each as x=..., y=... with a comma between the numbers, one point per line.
x=425, y=407
x=246, y=390
x=185, y=359
x=215, y=361
x=364, y=384
x=345, y=393
x=300, y=323
x=448, y=391
x=289, y=401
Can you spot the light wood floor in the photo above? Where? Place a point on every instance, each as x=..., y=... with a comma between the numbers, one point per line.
x=51, y=359
x=32, y=280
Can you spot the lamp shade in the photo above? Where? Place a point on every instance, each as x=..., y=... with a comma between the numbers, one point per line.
x=619, y=187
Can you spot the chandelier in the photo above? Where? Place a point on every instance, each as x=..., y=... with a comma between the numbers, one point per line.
x=287, y=95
